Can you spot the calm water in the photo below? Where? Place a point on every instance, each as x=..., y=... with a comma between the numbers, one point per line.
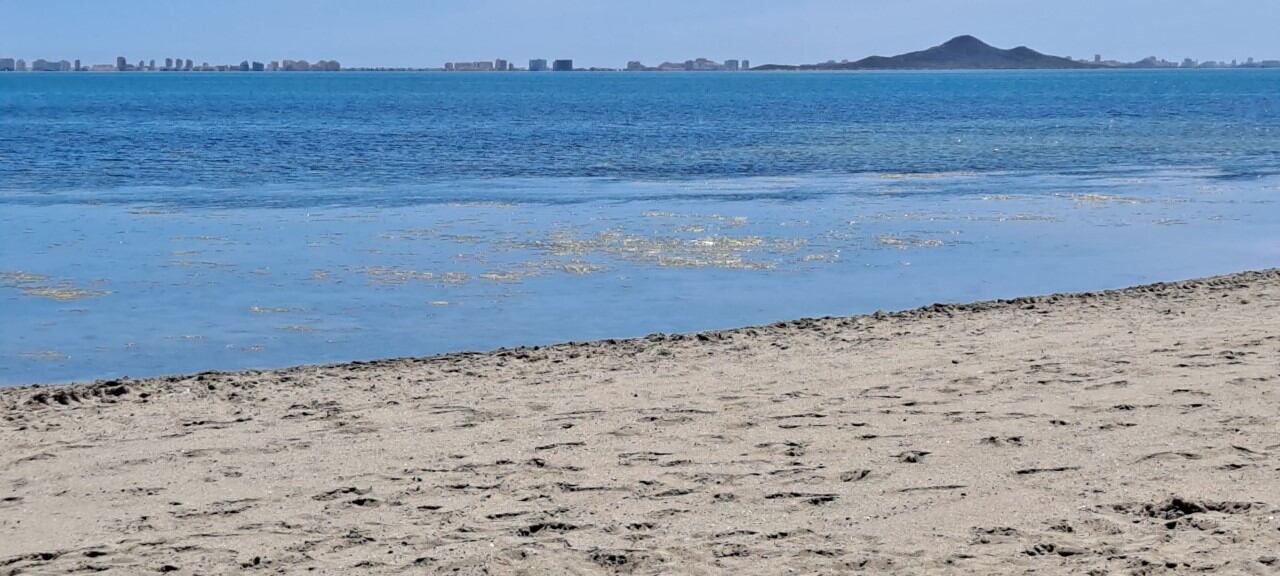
x=160, y=223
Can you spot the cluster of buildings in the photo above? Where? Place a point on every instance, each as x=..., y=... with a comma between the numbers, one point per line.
x=20, y=65
x=168, y=65
x=1154, y=62
x=304, y=66
x=500, y=65
x=698, y=65
x=541, y=65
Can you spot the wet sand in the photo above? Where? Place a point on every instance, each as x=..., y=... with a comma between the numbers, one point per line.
x=1125, y=432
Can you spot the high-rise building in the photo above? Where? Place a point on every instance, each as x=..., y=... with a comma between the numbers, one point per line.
x=732, y=65
x=538, y=65
x=635, y=66
x=122, y=64
x=8, y=65
x=746, y=65
x=259, y=67
x=168, y=63
x=562, y=66
x=20, y=65
x=483, y=66
x=274, y=66
x=500, y=65
x=77, y=66
x=703, y=65
x=151, y=65
x=188, y=65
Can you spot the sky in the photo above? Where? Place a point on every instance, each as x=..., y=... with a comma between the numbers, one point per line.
x=608, y=33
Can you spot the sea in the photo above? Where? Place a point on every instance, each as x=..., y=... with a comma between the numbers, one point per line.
x=165, y=223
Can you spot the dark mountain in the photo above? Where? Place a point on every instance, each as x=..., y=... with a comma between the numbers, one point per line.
x=960, y=53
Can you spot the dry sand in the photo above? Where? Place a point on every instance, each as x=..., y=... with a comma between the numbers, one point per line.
x=1135, y=431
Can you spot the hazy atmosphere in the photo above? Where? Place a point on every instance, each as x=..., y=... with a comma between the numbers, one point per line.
x=427, y=33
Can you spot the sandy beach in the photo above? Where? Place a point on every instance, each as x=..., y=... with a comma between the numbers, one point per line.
x=1125, y=432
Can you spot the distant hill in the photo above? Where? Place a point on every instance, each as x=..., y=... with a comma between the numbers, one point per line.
x=959, y=53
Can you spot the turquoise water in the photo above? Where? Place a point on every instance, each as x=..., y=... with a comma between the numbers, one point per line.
x=154, y=224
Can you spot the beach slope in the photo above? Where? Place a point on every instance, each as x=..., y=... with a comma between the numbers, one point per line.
x=1133, y=431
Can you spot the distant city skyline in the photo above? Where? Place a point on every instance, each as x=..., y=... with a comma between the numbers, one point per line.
x=414, y=33
x=963, y=52
x=123, y=64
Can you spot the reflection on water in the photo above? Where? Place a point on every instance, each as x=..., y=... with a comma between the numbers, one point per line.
x=91, y=291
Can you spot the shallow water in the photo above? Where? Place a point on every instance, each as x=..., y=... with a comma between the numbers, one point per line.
x=157, y=224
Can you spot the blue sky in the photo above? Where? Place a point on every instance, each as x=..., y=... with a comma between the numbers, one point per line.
x=610, y=32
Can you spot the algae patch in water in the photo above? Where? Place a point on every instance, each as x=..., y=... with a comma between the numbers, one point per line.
x=299, y=329
x=903, y=243
x=730, y=221
x=385, y=276
x=507, y=277
x=1097, y=199
x=1015, y=218
x=579, y=268
x=716, y=251
x=270, y=310
x=42, y=286
x=46, y=355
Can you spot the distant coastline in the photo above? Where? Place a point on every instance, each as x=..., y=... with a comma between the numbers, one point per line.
x=959, y=53
x=970, y=53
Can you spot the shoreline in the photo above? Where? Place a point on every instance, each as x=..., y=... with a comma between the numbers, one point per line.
x=1131, y=430
x=926, y=311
